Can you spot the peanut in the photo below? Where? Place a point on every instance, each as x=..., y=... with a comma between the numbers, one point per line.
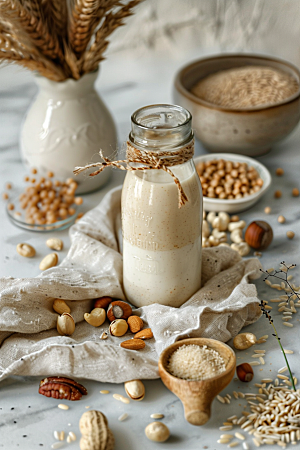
x=26, y=250
x=49, y=261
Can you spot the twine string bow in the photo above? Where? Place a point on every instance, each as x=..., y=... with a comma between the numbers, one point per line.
x=160, y=159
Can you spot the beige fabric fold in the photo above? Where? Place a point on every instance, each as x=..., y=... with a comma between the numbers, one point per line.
x=30, y=344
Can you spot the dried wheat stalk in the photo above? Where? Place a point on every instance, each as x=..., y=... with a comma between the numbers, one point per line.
x=59, y=38
x=94, y=55
x=56, y=12
x=19, y=16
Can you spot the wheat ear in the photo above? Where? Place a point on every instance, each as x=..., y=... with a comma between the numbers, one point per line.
x=94, y=55
x=84, y=18
x=15, y=47
x=56, y=12
x=19, y=16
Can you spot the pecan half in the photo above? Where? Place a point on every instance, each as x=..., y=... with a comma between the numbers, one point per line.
x=62, y=388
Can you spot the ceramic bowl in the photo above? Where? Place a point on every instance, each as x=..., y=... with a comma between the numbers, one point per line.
x=250, y=131
x=238, y=205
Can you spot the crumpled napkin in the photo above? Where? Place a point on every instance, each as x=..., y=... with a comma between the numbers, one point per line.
x=30, y=344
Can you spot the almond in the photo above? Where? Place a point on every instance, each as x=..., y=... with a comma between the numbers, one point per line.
x=133, y=344
x=144, y=334
x=135, y=324
x=102, y=302
x=118, y=310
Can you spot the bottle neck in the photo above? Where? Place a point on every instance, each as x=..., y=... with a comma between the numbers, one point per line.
x=161, y=127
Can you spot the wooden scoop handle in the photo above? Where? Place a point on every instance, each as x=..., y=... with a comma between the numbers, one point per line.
x=197, y=410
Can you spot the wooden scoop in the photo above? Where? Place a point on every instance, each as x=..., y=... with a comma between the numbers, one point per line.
x=197, y=396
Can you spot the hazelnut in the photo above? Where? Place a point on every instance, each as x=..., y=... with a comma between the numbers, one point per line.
x=118, y=310
x=118, y=327
x=281, y=219
x=295, y=192
x=157, y=431
x=244, y=372
x=259, y=235
x=267, y=210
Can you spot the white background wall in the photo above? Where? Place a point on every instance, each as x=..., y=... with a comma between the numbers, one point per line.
x=210, y=26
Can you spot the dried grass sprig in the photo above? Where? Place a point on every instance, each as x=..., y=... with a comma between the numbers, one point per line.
x=59, y=38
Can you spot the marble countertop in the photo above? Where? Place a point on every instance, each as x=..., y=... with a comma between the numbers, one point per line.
x=28, y=420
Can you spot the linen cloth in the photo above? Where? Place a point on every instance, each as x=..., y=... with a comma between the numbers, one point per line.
x=30, y=344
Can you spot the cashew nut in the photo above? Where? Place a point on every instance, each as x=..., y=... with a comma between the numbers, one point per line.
x=204, y=215
x=234, y=225
x=244, y=340
x=221, y=222
x=237, y=236
x=214, y=242
x=205, y=229
x=224, y=244
x=96, y=317
x=242, y=248
x=205, y=242
x=210, y=217
x=220, y=235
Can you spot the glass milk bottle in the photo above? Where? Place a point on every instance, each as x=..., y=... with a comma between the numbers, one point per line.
x=161, y=241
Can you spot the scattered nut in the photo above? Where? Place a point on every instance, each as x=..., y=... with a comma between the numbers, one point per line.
x=234, y=218
x=65, y=324
x=118, y=310
x=259, y=235
x=144, y=334
x=237, y=236
x=10, y=206
x=49, y=261
x=157, y=432
x=205, y=229
x=257, y=254
x=8, y=185
x=213, y=241
x=135, y=389
x=96, y=435
x=244, y=340
x=104, y=335
x=133, y=344
x=220, y=235
x=281, y=219
x=267, y=210
x=236, y=225
x=62, y=388
x=102, y=302
x=290, y=234
x=242, y=248
x=221, y=222
x=96, y=317
x=210, y=217
x=118, y=327
x=135, y=324
x=205, y=242
x=26, y=250
x=5, y=196
x=279, y=172
x=295, y=192
x=55, y=244
x=60, y=306
x=244, y=372
x=277, y=194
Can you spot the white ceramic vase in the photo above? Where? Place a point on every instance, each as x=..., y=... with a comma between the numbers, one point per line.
x=66, y=126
